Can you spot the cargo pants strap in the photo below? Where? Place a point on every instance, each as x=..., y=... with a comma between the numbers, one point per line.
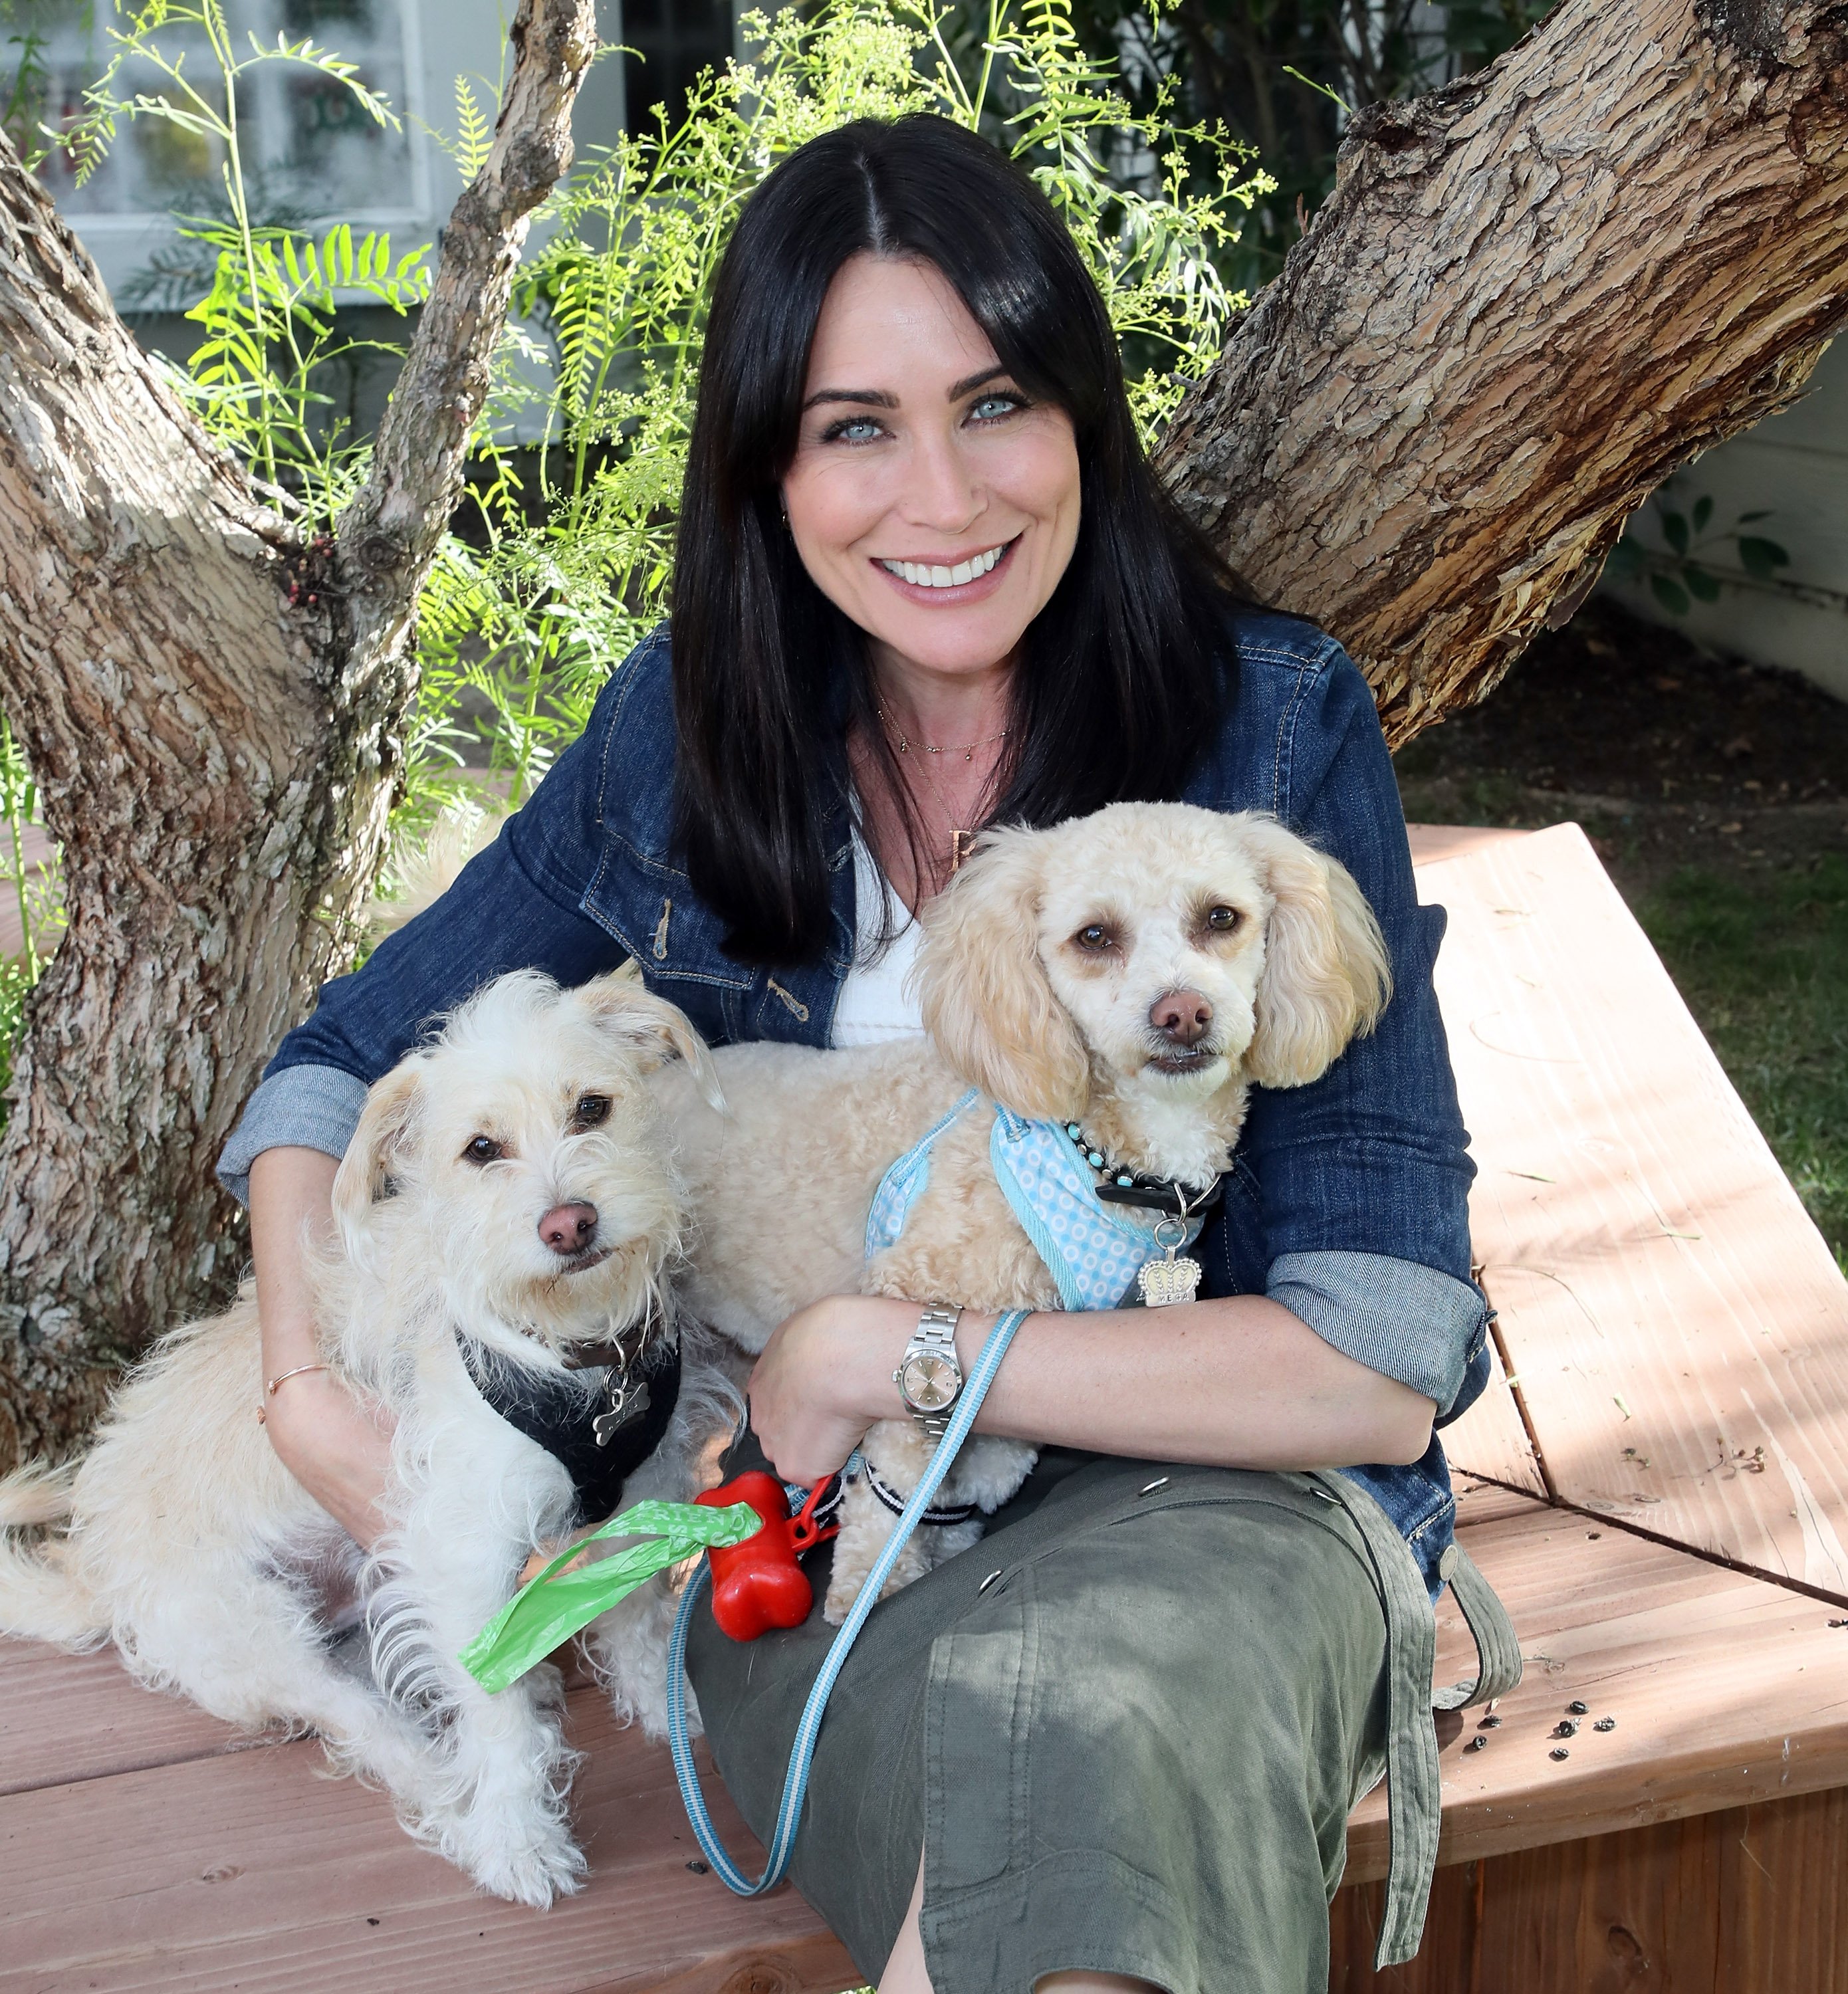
x=1497, y=1649
x=1413, y=1795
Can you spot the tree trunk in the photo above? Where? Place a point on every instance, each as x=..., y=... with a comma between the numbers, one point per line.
x=217, y=761
x=1532, y=296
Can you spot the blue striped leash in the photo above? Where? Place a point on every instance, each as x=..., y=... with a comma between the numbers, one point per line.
x=795, y=1785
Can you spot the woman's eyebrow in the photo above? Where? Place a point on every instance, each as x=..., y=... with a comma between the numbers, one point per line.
x=970, y=382
x=878, y=398
x=865, y=398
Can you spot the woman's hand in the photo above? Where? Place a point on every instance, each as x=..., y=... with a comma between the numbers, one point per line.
x=823, y=1377
x=338, y=1451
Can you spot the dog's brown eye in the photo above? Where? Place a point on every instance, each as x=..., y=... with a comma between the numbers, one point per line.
x=482, y=1150
x=1223, y=920
x=1095, y=937
x=591, y=1109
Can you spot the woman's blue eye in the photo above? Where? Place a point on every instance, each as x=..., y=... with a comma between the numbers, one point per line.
x=991, y=407
x=854, y=429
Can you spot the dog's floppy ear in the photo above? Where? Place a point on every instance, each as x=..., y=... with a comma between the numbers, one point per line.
x=387, y=1127
x=986, y=999
x=1326, y=976
x=655, y=1030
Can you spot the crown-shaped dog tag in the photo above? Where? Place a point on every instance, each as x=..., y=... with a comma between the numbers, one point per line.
x=1164, y=1282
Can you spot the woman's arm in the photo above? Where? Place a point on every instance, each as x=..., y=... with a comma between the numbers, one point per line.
x=1239, y=1382
x=331, y=1447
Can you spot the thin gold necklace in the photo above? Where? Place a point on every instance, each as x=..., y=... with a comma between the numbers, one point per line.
x=967, y=751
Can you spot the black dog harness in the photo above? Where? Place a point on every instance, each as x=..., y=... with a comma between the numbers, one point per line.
x=601, y=1420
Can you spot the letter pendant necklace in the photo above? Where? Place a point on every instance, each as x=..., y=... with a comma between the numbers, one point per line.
x=961, y=842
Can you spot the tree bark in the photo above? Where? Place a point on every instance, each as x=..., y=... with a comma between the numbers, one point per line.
x=1532, y=297
x=217, y=758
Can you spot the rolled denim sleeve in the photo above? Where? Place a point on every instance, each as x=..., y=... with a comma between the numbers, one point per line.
x=1348, y=1200
x=1409, y=1321
x=300, y=1107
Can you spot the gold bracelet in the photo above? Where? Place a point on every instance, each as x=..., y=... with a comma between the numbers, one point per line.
x=282, y=1377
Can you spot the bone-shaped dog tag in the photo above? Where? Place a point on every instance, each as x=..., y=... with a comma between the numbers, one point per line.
x=1163, y=1282
x=624, y=1406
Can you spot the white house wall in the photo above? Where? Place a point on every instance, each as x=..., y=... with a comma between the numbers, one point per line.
x=1794, y=466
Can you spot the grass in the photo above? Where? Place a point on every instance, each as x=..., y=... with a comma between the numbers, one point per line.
x=1763, y=964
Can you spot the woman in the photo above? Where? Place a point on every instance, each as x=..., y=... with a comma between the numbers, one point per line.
x=926, y=580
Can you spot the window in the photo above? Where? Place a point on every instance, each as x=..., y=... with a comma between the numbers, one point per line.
x=311, y=152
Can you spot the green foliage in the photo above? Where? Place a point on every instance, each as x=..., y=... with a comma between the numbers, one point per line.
x=25, y=93
x=1764, y=965
x=1680, y=571
x=271, y=334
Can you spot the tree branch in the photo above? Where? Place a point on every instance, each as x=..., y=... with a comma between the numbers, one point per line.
x=387, y=536
x=1532, y=297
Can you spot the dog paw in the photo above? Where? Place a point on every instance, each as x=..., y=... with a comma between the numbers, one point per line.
x=552, y=1868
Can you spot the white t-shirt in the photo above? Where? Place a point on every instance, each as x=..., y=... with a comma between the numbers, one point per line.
x=875, y=1005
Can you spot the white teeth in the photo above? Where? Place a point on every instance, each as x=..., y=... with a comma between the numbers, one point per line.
x=921, y=575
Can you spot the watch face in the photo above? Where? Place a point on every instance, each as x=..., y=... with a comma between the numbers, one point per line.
x=929, y=1383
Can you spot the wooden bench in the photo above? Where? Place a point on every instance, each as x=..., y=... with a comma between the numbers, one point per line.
x=1657, y=1482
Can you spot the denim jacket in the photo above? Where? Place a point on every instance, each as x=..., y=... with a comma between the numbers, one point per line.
x=1347, y=1200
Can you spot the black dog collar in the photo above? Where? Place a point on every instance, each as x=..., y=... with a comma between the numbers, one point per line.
x=600, y=1431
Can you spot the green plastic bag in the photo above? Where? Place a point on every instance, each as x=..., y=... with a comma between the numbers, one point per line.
x=551, y=1607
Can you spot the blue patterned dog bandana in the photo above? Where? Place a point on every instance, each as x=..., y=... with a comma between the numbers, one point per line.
x=1093, y=1252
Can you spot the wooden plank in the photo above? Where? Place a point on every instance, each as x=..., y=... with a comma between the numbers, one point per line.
x=1745, y=1901
x=248, y=1871
x=1727, y=1691
x=1678, y=1327
x=67, y=1717
x=1432, y=842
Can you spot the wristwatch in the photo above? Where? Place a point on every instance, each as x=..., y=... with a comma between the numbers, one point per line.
x=929, y=1377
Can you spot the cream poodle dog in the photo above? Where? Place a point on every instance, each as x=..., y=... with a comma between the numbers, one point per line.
x=1125, y=977
x=509, y=1221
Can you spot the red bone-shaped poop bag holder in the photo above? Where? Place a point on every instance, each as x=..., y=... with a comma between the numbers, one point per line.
x=758, y=1584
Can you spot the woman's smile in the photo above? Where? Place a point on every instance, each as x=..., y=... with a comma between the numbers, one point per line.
x=943, y=579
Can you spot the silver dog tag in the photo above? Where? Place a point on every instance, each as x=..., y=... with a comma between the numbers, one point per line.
x=1164, y=1281
x=626, y=1405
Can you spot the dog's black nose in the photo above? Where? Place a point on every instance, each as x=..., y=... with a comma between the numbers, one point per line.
x=1182, y=1017
x=569, y=1228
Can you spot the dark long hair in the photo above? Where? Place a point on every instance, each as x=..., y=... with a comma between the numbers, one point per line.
x=1121, y=677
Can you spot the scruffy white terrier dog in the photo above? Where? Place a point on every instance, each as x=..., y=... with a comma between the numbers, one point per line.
x=507, y=1212
x=1132, y=973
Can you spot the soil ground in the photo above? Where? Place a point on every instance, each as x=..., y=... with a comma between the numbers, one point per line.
x=1716, y=792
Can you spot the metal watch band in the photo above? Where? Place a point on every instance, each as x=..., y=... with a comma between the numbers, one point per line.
x=935, y=1335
